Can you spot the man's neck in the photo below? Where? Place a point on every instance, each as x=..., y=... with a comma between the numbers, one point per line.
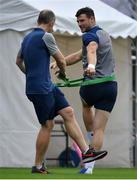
x=44, y=27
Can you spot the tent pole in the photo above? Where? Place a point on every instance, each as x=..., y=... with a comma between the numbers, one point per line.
x=134, y=96
x=135, y=104
x=135, y=132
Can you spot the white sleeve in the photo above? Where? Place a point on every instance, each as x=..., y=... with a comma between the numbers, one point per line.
x=50, y=42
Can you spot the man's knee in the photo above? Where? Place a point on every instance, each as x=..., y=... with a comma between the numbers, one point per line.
x=69, y=111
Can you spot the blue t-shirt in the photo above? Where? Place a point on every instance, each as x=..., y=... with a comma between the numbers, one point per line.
x=36, y=49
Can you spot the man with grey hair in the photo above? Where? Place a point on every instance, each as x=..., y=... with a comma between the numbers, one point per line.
x=33, y=59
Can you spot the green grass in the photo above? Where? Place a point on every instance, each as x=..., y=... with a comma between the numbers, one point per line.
x=69, y=173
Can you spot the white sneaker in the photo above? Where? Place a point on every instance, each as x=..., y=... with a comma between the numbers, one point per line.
x=86, y=171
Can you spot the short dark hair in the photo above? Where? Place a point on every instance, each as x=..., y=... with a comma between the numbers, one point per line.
x=45, y=17
x=86, y=10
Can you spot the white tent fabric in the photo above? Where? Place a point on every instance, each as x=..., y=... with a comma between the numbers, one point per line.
x=114, y=22
x=127, y=7
x=18, y=123
x=17, y=15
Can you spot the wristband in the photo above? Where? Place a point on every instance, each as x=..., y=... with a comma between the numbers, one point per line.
x=91, y=66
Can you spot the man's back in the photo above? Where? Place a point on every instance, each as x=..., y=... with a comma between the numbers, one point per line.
x=36, y=58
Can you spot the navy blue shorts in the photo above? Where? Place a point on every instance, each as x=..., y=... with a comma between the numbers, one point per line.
x=47, y=105
x=102, y=95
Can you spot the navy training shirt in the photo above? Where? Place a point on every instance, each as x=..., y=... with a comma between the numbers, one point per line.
x=36, y=55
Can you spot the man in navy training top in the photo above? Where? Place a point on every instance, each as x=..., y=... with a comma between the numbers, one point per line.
x=98, y=62
x=33, y=59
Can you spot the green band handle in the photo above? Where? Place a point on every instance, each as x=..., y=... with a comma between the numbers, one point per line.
x=82, y=82
x=98, y=80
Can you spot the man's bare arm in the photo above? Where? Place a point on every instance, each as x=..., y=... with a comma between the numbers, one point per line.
x=60, y=61
x=73, y=58
x=92, y=58
x=70, y=59
x=20, y=64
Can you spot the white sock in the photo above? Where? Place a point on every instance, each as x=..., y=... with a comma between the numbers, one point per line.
x=90, y=165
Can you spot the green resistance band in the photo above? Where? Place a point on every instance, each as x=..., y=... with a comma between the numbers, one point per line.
x=70, y=83
x=81, y=82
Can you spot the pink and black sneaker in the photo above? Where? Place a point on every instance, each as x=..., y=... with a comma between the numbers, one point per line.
x=92, y=155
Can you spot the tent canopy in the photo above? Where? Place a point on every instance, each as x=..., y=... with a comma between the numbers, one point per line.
x=21, y=15
x=18, y=121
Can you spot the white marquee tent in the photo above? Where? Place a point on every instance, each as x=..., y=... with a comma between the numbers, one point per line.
x=18, y=123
